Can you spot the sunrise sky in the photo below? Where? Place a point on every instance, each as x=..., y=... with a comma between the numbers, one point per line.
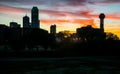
x=66, y=14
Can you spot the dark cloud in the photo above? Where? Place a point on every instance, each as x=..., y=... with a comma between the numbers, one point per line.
x=106, y=2
x=47, y=2
x=111, y=1
x=22, y=2
x=75, y=2
x=59, y=2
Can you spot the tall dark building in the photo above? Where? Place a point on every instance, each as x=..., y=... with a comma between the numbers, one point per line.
x=35, y=17
x=26, y=23
x=53, y=29
x=102, y=16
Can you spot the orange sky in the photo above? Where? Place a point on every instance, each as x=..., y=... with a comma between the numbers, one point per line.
x=66, y=14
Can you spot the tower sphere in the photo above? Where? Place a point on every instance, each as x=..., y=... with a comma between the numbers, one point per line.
x=102, y=16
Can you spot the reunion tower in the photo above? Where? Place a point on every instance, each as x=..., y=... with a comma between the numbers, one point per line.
x=102, y=16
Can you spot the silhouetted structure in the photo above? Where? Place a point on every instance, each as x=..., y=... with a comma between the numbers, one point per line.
x=4, y=35
x=14, y=25
x=32, y=37
x=35, y=17
x=15, y=31
x=26, y=23
x=89, y=34
x=92, y=34
x=102, y=16
x=53, y=29
x=26, y=27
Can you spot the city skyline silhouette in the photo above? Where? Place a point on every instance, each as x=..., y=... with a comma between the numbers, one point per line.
x=35, y=22
x=59, y=37
x=31, y=36
x=66, y=15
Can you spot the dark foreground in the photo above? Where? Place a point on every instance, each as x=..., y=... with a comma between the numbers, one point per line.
x=58, y=54
x=66, y=65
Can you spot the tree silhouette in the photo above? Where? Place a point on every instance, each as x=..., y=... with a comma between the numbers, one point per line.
x=64, y=35
x=60, y=35
x=52, y=41
x=38, y=37
x=111, y=36
x=89, y=34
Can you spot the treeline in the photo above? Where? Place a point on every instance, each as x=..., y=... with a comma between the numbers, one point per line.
x=88, y=43
x=22, y=38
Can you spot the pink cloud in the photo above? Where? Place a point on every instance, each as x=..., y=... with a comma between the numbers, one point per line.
x=8, y=9
x=84, y=13
x=53, y=13
x=115, y=16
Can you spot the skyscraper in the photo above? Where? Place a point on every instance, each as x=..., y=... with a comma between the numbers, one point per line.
x=35, y=17
x=26, y=23
x=102, y=16
x=53, y=29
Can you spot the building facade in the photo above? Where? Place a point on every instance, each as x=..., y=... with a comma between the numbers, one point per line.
x=14, y=25
x=53, y=29
x=26, y=23
x=35, y=18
